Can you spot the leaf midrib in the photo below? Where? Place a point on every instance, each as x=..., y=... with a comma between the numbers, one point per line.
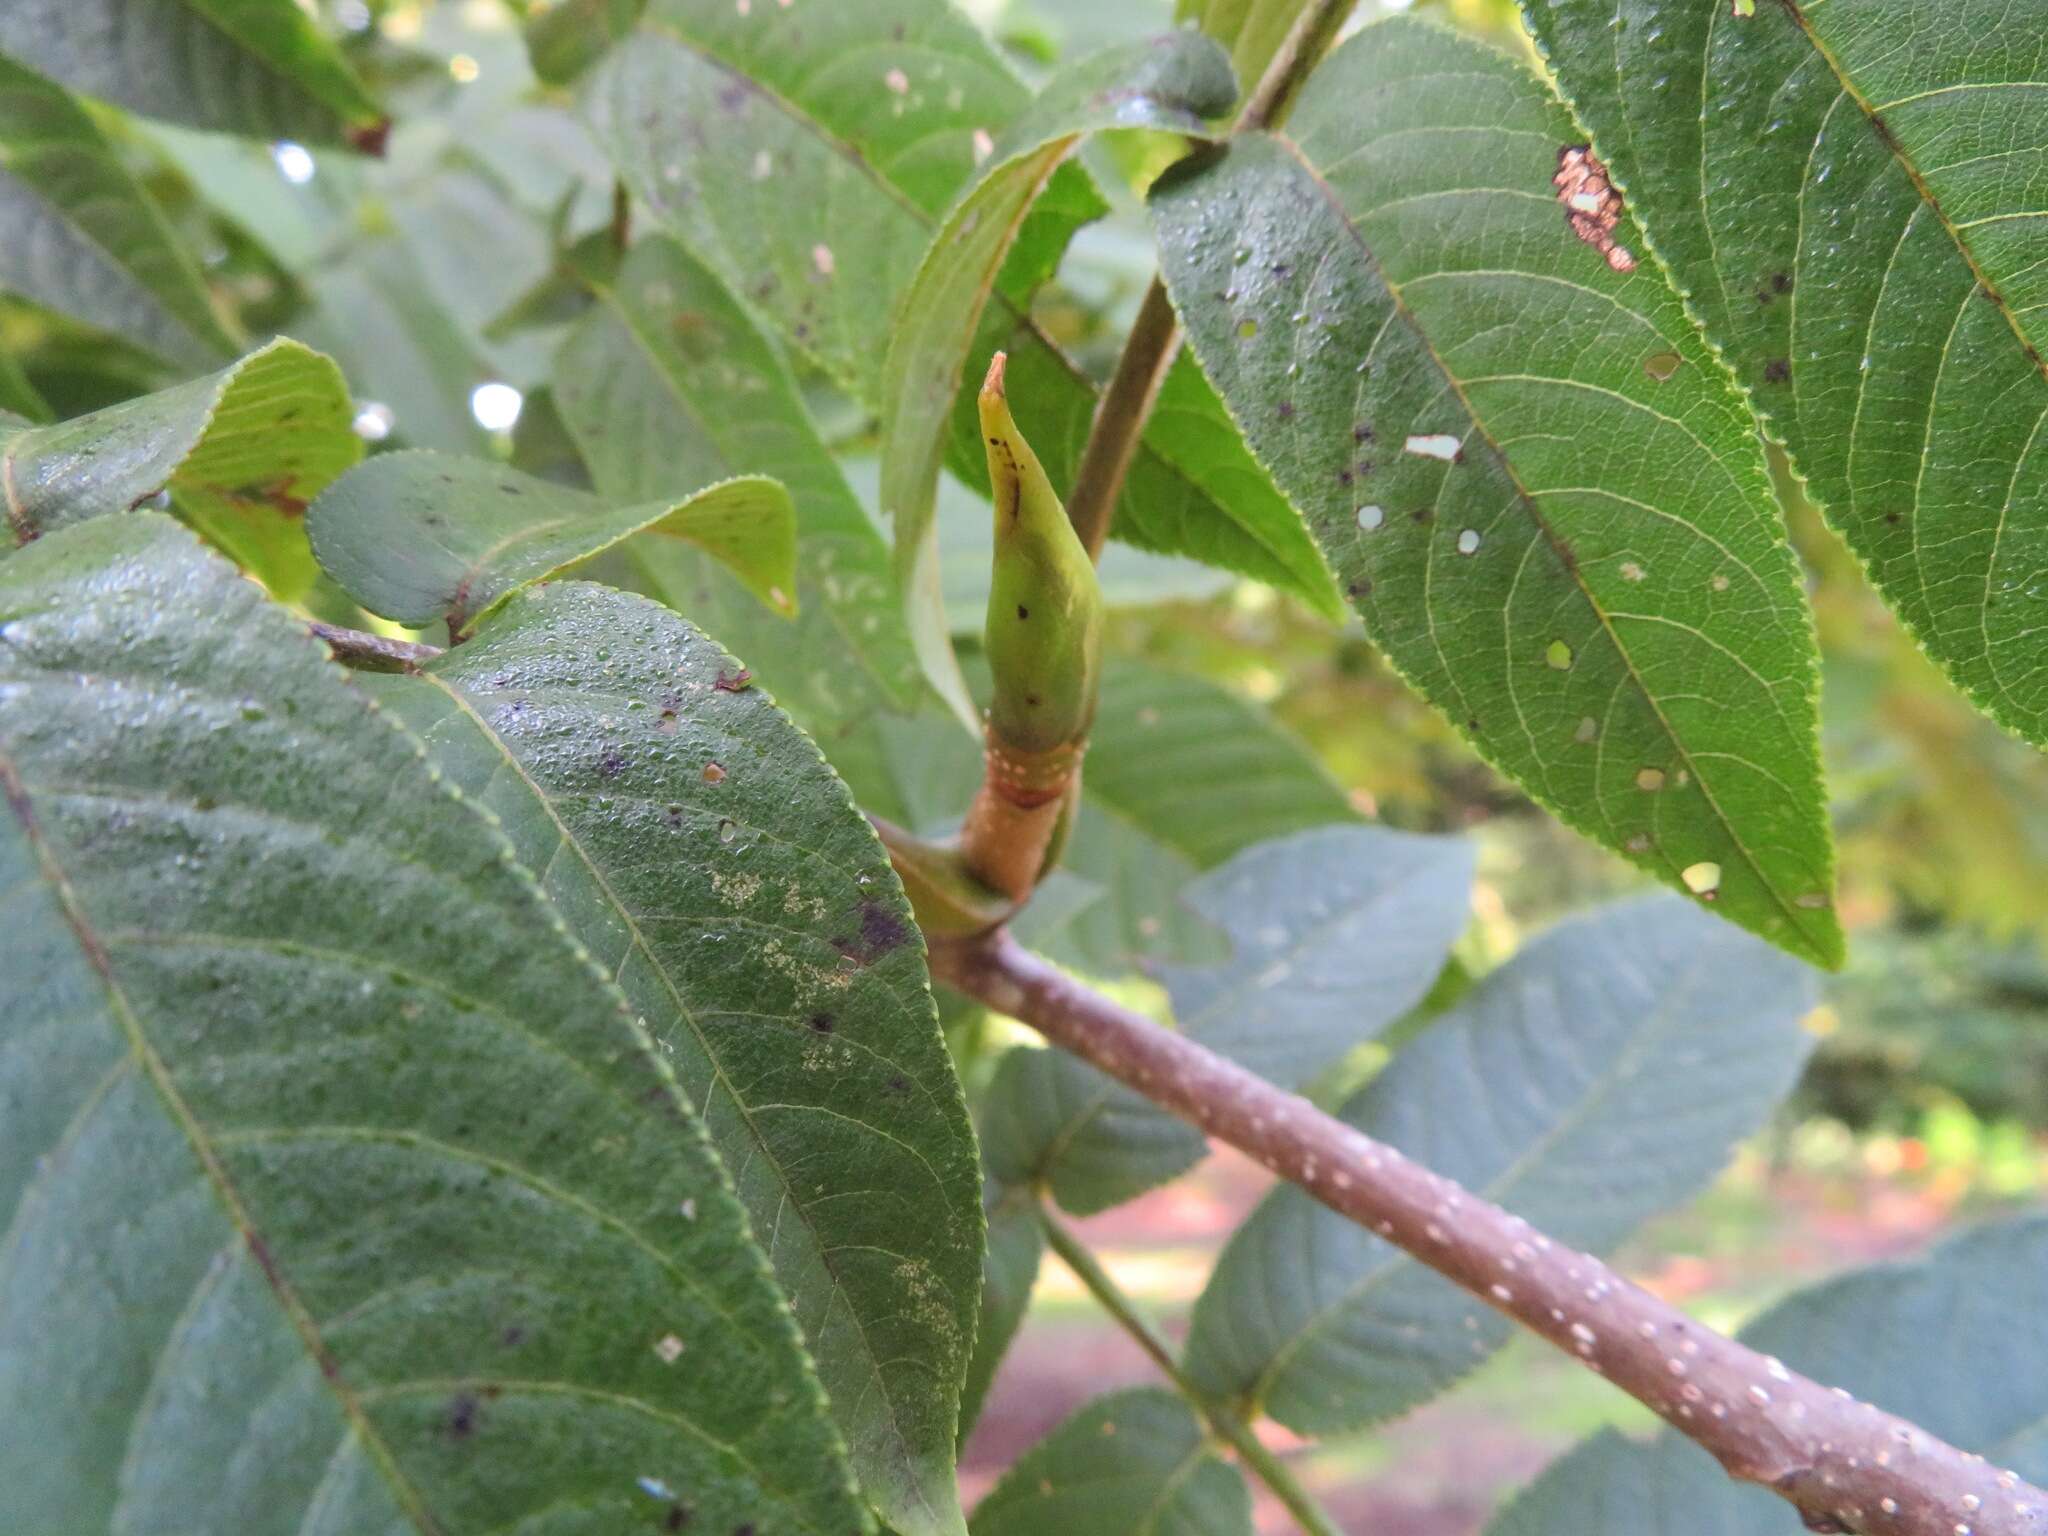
x=907, y=1462
x=1551, y=541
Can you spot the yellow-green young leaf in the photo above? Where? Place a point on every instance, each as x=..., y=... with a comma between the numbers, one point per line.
x=807, y=154
x=343, y=1192
x=1534, y=481
x=1850, y=195
x=667, y=383
x=1133, y=1463
x=258, y=67
x=1173, y=83
x=80, y=234
x=423, y=536
x=696, y=844
x=1957, y=1342
x=241, y=453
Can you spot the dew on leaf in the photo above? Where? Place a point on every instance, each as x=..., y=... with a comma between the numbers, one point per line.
x=1370, y=518
x=1247, y=329
x=668, y=1348
x=1704, y=879
x=1468, y=542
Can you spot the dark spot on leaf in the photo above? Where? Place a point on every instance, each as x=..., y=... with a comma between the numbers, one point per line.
x=611, y=765
x=881, y=930
x=1894, y=518
x=822, y=1023
x=1423, y=516
x=1986, y=292
x=733, y=97
x=1360, y=588
x=1781, y=282
x=462, y=1415
x=899, y=1084
x=1023, y=612
x=1286, y=410
x=678, y=1517
x=1282, y=269
x=1033, y=700
x=1344, y=477
x=1883, y=131
x=1777, y=370
x=513, y=1336
x=1472, y=723
x=1361, y=433
x=665, y=722
x=733, y=682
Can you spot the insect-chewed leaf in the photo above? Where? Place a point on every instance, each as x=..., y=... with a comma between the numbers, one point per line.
x=343, y=1192
x=240, y=453
x=423, y=536
x=1535, y=482
x=1849, y=194
x=697, y=845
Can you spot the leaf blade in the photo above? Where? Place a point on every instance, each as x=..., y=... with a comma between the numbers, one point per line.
x=669, y=384
x=418, y=536
x=258, y=67
x=243, y=919
x=1839, y=244
x=1629, y=636
x=810, y=1039
x=240, y=452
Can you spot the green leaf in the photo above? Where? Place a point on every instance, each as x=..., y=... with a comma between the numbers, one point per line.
x=1204, y=770
x=1172, y=84
x=241, y=452
x=1957, y=1342
x=1016, y=1244
x=1840, y=189
x=699, y=849
x=343, y=1193
x=1334, y=934
x=82, y=236
x=1532, y=477
x=1602, y=1075
x=1252, y=30
x=1134, y=1463
x=566, y=39
x=422, y=536
x=259, y=67
x=667, y=384
x=776, y=146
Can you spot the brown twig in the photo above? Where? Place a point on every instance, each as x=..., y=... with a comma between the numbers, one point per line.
x=1845, y=1465
x=373, y=653
x=1154, y=338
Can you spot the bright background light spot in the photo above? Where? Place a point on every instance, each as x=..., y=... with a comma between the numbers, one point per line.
x=294, y=161
x=495, y=406
x=374, y=421
x=464, y=69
